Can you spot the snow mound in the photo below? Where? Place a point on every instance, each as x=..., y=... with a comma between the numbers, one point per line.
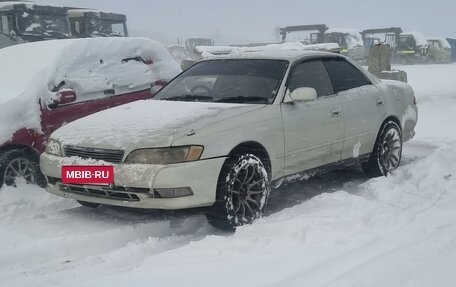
x=28, y=201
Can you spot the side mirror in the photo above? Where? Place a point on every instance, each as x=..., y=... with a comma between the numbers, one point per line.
x=64, y=97
x=302, y=95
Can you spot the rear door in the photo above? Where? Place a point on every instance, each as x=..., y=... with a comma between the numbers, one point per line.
x=363, y=106
x=314, y=130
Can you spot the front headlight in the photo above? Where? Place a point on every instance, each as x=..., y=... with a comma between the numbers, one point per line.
x=53, y=147
x=168, y=155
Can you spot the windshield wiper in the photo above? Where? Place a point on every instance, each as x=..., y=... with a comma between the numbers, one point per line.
x=242, y=99
x=189, y=98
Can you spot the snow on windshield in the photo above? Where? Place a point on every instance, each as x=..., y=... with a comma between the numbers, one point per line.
x=104, y=28
x=43, y=24
x=32, y=72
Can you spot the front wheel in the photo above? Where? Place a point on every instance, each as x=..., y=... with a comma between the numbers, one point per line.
x=242, y=192
x=387, y=152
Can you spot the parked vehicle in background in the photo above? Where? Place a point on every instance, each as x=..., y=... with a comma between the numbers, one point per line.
x=63, y=80
x=406, y=48
x=388, y=36
x=452, y=43
x=412, y=48
x=306, y=34
x=439, y=50
x=88, y=23
x=22, y=22
x=178, y=52
x=192, y=43
x=349, y=41
x=226, y=130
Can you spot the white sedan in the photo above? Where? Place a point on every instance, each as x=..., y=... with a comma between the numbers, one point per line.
x=222, y=133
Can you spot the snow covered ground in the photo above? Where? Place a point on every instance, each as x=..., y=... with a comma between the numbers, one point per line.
x=339, y=229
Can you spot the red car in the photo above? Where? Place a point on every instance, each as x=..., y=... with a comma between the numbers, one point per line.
x=44, y=85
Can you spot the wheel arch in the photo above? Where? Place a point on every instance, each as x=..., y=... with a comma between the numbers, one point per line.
x=391, y=118
x=255, y=148
x=12, y=147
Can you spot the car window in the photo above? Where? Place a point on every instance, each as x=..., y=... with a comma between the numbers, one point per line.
x=311, y=74
x=344, y=75
x=255, y=81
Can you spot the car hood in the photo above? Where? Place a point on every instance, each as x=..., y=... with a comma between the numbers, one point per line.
x=147, y=123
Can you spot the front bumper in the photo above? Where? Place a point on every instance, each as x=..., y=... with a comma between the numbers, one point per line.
x=136, y=185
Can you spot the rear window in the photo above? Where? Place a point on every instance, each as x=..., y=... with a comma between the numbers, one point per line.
x=344, y=75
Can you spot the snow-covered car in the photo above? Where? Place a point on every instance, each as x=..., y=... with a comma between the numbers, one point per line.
x=225, y=131
x=46, y=84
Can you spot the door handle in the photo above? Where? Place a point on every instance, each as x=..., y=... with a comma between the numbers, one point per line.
x=336, y=113
x=379, y=102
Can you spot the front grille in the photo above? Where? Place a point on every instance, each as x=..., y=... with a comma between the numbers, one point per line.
x=108, y=155
x=116, y=193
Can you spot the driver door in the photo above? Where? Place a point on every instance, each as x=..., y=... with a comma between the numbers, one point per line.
x=314, y=131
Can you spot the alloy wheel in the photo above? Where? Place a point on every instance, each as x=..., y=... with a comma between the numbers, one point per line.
x=19, y=168
x=248, y=186
x=390, y=150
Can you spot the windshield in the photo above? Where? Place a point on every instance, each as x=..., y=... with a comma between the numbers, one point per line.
x=33, y=23
x=335, y=38
x=407, y=43
x=228, y=81
x=106, y=28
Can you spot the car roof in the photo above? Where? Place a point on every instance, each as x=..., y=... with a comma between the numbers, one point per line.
x=288, y=55
x=51, y=62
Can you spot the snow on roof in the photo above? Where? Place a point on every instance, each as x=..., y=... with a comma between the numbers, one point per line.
x=216, y=49
x=287, y=55
x=420, y=39
x=10, y=4
x=79, y=12
x=443, y=41
x=343, y=31
x=288, y=51
x=30, y=72
x=29, y=4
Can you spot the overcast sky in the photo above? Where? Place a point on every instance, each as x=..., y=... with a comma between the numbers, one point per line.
x=246, y=21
